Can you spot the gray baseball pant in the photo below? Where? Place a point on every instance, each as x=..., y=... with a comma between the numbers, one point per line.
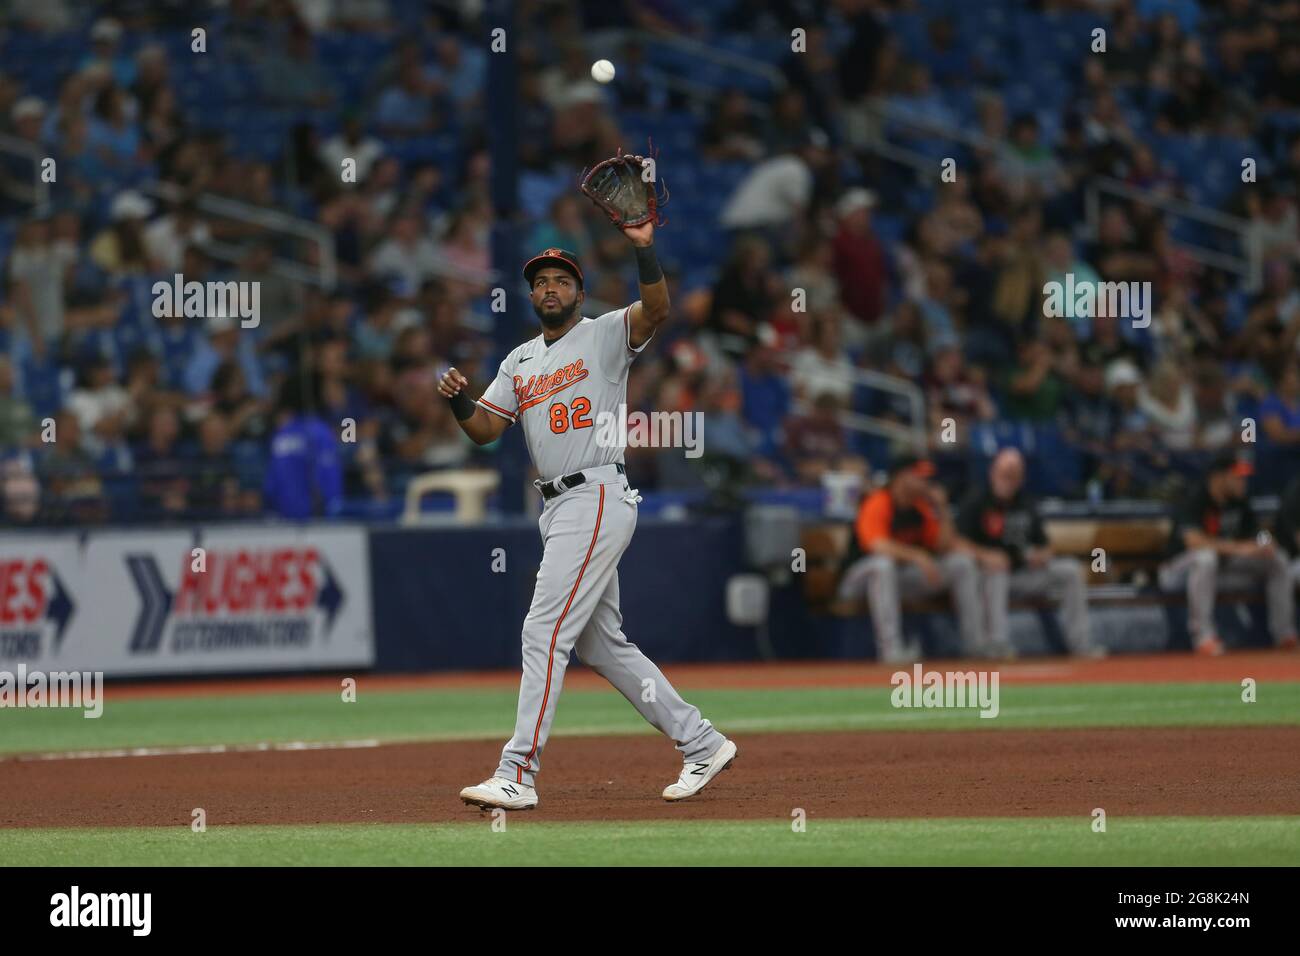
x=1061, y=577
x=1203, y=571
x=575, y=606
x=886, y=583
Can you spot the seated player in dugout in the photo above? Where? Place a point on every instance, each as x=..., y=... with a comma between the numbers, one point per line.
x=1216, y=545
x=1004, y=531
x=908, y=550
x=1286, y=526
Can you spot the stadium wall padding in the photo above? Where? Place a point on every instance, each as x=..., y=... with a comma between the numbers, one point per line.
x=438, y=604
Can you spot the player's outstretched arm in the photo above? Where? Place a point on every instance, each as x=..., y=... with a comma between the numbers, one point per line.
x=482, y=427
x=653, y=309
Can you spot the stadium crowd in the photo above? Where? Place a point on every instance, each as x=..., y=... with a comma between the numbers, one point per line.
x=936, y=282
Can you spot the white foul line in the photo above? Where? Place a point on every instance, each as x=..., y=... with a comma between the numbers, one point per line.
x=200, y=749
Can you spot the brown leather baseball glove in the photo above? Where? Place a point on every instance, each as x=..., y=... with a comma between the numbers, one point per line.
x=620, y=187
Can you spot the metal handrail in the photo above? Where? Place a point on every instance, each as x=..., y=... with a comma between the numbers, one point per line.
x=1245, y=266
x=913, y=433
x=326, y=273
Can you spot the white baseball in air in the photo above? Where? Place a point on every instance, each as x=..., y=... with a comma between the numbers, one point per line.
x=602, y=71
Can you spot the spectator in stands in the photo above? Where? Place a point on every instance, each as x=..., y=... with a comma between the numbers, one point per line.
x=1215, y=424
x=20, y=492
x=351, y=142
x=788, y=125
x=860, y=264
x=777, y=192
x=460, y=69
x=765, y=396
x=169, y=237
x=1135, y=457
x=422, y=433
x=245, y=415
x=813, y=271
x=17, y=421
x=1002, y=527
x=733, y=451
x=408, y=255
x=1167, y=401
x=38, y=272
x=1060, y=261
x=160, y=467
x=954, y=392
x=226, y=341
x=376, y=334
x=816, y=443
x=113, y=134
x=814, y=73
x=28, y=118
x=1107, y=344
x=898, y=347
x=1118, y=253
x=104, y=412
x=293, y=76
x=732, y=133
x=745, y=294
x=1279, y=413
x=1027, y=165
x=303, y=477
x=213, y=487
x=120, y=249
x=464, y=246
x=906, y=540
x=105, y=50
x=75, y=491
x=410, y=107
x=823, y=366
x=1034, y=391
x=1216, y=544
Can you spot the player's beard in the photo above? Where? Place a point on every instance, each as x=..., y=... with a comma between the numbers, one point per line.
x=555, y=319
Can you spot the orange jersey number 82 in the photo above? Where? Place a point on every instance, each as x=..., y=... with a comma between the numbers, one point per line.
x=575, y=415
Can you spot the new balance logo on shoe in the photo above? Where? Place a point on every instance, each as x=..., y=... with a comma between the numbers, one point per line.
x=511, y=790
x=700, y=768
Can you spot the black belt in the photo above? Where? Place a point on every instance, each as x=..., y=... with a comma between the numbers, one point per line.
x=549, y=489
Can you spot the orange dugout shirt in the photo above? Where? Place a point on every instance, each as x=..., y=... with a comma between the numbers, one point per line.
x=881, y=517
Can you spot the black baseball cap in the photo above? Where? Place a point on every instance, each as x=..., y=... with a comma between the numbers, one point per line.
x=562, y=258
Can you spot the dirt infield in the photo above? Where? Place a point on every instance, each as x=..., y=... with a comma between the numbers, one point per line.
x=1183, y=771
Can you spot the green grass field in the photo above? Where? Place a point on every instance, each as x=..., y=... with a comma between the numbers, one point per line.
x=949, y=842
x=402, y=715
x=476, y=714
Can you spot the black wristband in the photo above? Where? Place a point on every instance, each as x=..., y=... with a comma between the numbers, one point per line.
x=647, y=263
x=462, y=406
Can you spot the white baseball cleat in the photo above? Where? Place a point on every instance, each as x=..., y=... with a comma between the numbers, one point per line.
x=500, y=793
x=697, y=774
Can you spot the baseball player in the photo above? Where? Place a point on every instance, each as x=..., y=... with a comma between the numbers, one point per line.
x=557, y=386
x=1002, y=528
x=1216, y=544
x=907, y=545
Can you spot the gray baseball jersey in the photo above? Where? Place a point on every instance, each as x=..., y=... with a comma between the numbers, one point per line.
x=560, y=393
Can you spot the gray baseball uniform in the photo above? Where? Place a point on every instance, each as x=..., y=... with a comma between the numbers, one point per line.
x=561, y=393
